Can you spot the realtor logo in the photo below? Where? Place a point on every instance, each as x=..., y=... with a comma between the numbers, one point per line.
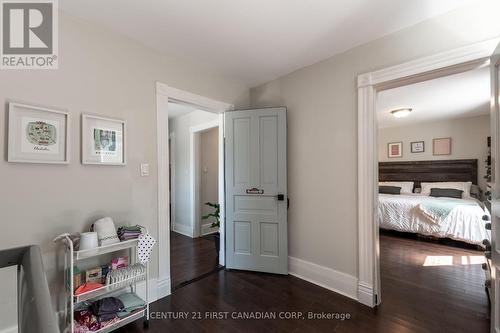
x=29, y=34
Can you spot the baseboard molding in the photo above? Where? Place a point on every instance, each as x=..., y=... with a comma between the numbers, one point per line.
x=365, y=294
x=325, y=277
x=164, y=288
x=183, y=229
x=207, y=229
x=12, y=329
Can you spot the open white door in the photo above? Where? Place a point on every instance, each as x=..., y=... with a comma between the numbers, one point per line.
x=256, y=190
x=494, y=252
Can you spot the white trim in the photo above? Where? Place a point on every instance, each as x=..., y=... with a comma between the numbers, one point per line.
x=183, y=229
x=438, y=65
x=194, y=167
x=171, y=137
x=325, y=277
x=12, y=329
x=163, y=94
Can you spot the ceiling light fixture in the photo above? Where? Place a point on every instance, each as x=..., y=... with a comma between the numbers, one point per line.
x=401, y=113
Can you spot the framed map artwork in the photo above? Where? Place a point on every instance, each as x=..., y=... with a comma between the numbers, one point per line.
x=37, y=134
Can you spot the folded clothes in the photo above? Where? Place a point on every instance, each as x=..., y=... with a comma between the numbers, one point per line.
x=107, y=308
x=129, y=232
x=131, y=303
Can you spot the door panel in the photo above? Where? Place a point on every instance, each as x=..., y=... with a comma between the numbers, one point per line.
x=256, y=219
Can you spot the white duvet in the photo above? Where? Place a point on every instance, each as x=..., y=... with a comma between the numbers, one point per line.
x=464, y=223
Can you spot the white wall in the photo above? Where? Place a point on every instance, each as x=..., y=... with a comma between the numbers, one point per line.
x=99, y=72
x=209, y=174
x=322, y=132
x=468, y=135
x=179, y=129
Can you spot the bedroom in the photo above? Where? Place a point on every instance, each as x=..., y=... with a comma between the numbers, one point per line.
x=434, y=169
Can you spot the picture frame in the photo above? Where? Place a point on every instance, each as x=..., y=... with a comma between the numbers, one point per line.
x=395, y=149
x=37, y=134
x=441, y=146
x=103, y=140
x=417, y=146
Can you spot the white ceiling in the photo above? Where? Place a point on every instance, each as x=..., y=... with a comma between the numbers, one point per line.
x=177, y=110
x=455, y=96
x=256, y=40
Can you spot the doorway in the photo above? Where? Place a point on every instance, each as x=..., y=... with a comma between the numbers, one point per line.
x=166, y=97
x=433, y=152
x=194, y=192
x=369, y=85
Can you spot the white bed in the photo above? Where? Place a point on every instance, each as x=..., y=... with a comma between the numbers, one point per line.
x=464, y=222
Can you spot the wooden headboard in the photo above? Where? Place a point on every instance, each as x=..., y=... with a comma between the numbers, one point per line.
x=429, y=171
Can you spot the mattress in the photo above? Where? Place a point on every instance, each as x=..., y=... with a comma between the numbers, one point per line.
x=464, y=223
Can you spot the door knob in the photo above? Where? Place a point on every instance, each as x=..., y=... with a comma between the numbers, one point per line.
x=280, y=197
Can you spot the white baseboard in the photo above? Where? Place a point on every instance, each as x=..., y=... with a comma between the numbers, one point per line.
x=164, y=288
x=183, y=229
x=12, y=329
x=365, y=294
x=325, y=277
x=207, y=229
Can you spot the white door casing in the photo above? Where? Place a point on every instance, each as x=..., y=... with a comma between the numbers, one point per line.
x=256, y=217
x=495, y=195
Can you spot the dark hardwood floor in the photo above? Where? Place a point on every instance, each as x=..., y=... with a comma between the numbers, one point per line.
x=190, y=257
x=415, y=298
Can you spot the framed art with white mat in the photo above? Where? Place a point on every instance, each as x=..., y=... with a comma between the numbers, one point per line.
x=103, y=140
x=395, y=149
x=37, y=134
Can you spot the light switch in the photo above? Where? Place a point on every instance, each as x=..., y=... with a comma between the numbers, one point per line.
x=144, y=170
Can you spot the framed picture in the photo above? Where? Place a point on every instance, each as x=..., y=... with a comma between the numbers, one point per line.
x=103, y=140
x=37, y=134
x=395, y=149
x=418, y=147
x=441, y=146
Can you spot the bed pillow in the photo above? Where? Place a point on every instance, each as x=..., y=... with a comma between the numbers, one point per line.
x=406, y=187
x=463, y=186
x=384, y=189
x=446, y=193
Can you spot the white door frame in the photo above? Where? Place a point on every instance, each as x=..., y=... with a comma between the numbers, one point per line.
x=164, y=94
x=369, y=84
x=172, y=177
x=194, y=166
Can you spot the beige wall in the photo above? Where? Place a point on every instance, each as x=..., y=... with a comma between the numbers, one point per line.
x=99, y=72
x=468, y=135
x=179, y=133
x=209, y=173
x=322, y=131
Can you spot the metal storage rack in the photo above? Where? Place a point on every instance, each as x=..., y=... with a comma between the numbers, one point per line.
x=72, y=257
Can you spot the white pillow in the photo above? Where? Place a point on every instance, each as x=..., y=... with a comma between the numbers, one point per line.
x=462, y=186
x=406, y=187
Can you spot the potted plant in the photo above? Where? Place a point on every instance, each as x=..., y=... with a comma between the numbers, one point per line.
x=215, y=224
